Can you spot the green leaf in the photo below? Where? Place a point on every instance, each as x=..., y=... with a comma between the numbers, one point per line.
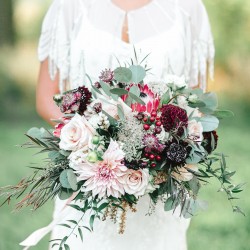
x=197, y=104
x=91, y=221
x=66, y=247
x=138, y=73
x=106, y=88
x=123, y=74
x=237, y=209
x=169, y=204
x=119, y=91
x=65, y=225
x=68, y=179
x=223, y=114
x=102, y=206
x=194, y=185
x=64, y=194
x=120, y=112
x=165, y=98
x=80, y=233
x=135, y=90
x=211, y=101
x=136, y=98
x=209, y=123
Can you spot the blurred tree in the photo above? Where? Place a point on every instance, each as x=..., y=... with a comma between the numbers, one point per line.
x=7, y=33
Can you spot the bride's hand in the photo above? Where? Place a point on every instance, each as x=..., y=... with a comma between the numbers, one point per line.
x=46, y=89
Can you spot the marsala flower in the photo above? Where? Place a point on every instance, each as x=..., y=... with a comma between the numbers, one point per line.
x=107, y=75
x=176, y=152
x=207, y=141
x=152, y=144
x=76, y=101
x=174, y=118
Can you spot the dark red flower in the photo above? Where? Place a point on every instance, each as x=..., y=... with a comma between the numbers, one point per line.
x=174, y=118
x=208, y=138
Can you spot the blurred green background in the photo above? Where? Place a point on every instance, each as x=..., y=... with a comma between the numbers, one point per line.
x=218, y=228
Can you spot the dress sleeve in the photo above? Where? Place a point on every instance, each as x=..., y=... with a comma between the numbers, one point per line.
x=54, y=42
x=202, y=44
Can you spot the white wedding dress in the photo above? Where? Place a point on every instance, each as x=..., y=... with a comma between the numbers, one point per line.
x=84, y=36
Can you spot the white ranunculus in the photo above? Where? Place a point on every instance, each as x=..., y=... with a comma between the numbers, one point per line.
x=136, y=181
x=76, y=134
x=182, y=173
x=176, y=82
x=195, y=130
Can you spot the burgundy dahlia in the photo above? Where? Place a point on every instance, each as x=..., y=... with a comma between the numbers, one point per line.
x=208, y=138
x=107, y=75
x=174, y=118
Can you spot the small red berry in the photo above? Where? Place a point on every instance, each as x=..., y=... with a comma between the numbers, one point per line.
x=151, y=157
x=146, y=155
x=158, y=158
x=158, y=118
x=153, y=165
x=145, y=119
x=146, y=126
x=154, y=113
x=152, y=119
x=158, y=123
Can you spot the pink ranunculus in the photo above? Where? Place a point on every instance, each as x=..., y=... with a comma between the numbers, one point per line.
x=105, y=178
x=151, y=100
x=136, y=181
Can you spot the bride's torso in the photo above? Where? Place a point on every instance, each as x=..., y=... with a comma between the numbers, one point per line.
x=91, y=40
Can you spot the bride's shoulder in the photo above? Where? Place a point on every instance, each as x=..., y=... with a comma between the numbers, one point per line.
x=191, y=7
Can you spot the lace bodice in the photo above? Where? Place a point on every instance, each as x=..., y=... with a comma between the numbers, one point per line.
x=84, y=36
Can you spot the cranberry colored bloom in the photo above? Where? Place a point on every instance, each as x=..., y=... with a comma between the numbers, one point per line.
x=207, y=141
x=76, y=101
x=174, y=118
x=152, y=144
x=58, y=127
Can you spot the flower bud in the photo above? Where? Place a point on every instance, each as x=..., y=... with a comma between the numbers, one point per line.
x=96, y=140
x=92, y=157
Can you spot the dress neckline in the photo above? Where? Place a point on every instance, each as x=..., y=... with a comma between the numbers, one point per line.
x=132, y=10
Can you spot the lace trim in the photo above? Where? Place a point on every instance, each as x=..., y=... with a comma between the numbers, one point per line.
x=202, y=62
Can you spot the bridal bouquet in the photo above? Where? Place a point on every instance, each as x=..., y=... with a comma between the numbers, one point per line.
x=122, y=138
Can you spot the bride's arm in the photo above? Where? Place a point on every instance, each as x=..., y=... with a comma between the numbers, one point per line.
x=45, y=91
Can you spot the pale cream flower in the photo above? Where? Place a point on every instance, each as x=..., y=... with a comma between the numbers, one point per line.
x=182, y=173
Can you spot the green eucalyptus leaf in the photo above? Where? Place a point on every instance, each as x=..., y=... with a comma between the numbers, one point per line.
x=123, y=74
x=65, y=194
x=169, y=204
x=34, y=133
x=211, y=101
x=135, y=90
x=209, y=123
x=223, y=114
x=119, y=91
x=136, y=98
x=106, y=88
x=68, y=179
x=138, y=73
x=120, y=112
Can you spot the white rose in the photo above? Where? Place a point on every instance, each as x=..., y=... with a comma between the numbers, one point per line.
x=195, y=130
x=182, y=173
x=136, y=181
x=76, y=134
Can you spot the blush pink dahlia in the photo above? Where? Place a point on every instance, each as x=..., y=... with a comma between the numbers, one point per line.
x=105, y=178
